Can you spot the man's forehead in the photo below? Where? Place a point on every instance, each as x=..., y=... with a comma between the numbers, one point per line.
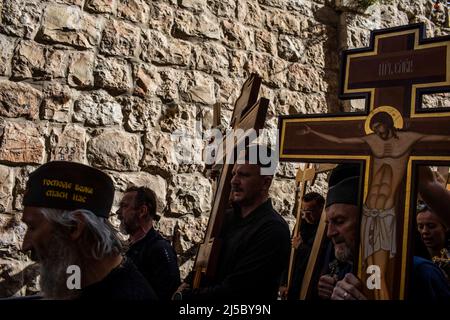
x=129, y=196
x=246, y=167
x=31, y=214
x=341, y=210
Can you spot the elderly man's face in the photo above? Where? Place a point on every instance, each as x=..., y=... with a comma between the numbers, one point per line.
x=342, y=227
x=38, y=236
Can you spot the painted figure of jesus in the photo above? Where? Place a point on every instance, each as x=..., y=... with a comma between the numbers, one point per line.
x=390, y=147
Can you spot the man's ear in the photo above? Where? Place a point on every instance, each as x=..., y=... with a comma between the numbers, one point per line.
x=78, y=228
x=267, y=180
x=143, y=211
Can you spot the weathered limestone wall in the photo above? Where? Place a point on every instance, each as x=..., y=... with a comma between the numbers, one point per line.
x=109, y=82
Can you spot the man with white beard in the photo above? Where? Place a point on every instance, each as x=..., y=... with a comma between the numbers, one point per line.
x=66, y=210
x=342, y=218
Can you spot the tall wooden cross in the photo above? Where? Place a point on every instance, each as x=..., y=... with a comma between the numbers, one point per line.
x=249, y=113
x=390, y=137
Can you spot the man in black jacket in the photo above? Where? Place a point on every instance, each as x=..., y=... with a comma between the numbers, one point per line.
x=255, y=243
x=150, y=252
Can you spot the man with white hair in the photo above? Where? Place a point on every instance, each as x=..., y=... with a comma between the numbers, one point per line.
x=342, y=218
x=66, y=210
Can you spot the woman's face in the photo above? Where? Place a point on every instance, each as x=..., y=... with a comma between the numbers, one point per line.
x=431, y=230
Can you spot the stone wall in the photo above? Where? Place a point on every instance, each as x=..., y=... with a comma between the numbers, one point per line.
x=110, y=82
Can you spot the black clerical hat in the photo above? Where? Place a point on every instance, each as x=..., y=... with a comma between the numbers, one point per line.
x=343, y=185
x=70, y=186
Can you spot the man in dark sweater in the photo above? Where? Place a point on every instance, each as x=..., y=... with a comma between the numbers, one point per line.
x=151, y=253
x=255, y=246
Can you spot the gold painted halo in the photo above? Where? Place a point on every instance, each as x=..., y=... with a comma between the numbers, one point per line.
x=394, y=113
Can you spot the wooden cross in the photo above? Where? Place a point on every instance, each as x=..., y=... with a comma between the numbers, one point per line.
x=390, y=138
x=248, y=114
x=302, y=178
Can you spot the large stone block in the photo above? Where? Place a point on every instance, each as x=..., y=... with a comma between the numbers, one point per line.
x=70, y=144
x=189, y=231
x=113, y=74
x=223, y=9
x=142, y=179
x=236, y=35
x=20, y=185
x=190, y=194
x=167, y=91
x=57, y=102
x=282, y=193
x=7, y=44
x=97, y=108
x=81, y=69
x=140, y=114
x=161, y=17
x=19, y=100
x=21, y=18
x=101, y=6
x=21, y=143
x=298, y=72
x=56, y=63
x=6, y=188
x=161, y=50
x=211, y=57
x=285, y=22
x=198, y=87
x=159, y=153
x=70, y=25
x=29, y=60
x=250, y=13
x=136, y=11
x=291, y=48
x=266, y=41
x=193, y=5
x=202, y=25
x=120, y=38
x=116, y=150
x=147, y=80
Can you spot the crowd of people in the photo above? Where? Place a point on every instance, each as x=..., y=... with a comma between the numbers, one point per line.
x=67, y=207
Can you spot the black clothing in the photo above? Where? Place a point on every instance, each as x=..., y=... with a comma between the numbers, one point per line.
x=123, y=283
x=307, y=233
x=157, y=261
x=253, y=255
x=428, y=282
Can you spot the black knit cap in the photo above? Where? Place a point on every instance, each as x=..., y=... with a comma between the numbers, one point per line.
x=70, y=186
x=343, y=185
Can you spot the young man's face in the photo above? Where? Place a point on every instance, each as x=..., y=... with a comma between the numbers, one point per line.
x=38, y=235
x=128, y=214
x=247, y=184
x=342, y=228
x=311, y=211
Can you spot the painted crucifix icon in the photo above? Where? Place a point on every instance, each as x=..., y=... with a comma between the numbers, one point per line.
x=388, y=138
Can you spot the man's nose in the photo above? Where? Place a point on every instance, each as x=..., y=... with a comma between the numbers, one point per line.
x=331, y=231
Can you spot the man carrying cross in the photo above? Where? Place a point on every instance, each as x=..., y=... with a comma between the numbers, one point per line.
x=390, y=149
x=255, y=240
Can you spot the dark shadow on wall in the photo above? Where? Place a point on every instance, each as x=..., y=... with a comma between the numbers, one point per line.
x=330, y=18
x=11, y=284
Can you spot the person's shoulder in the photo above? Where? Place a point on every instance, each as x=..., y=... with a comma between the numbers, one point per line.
x=426, y=269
